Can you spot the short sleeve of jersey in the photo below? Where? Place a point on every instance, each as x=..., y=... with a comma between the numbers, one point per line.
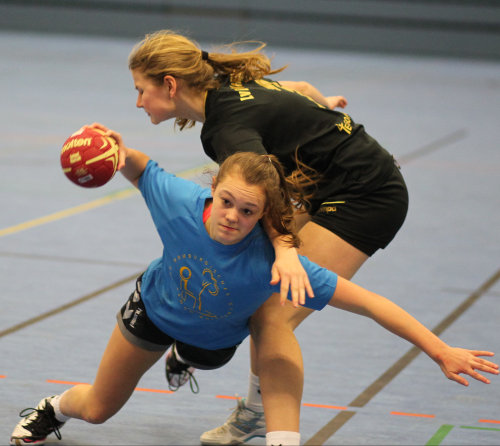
x=168, y=196
x=323, y=282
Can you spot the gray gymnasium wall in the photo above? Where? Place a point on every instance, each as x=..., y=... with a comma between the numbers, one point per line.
x=453, y=28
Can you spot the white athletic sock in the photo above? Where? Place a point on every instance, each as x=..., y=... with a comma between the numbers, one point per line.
x=283, y=438
x=57, y=410
x=254, y=399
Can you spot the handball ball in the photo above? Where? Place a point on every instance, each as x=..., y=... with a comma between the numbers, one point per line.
x=89, y=158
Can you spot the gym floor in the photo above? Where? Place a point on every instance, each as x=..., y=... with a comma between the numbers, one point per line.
x=69, y=256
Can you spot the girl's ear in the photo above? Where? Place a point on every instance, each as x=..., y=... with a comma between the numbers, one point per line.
x=170, y=82
x=213, y=184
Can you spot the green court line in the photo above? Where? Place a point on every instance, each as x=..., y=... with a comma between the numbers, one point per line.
x=440, y=434
x=114, y=196
x=481, y=428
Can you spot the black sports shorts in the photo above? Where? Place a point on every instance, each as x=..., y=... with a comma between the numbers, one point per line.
x=367, y=221
x=139, y=330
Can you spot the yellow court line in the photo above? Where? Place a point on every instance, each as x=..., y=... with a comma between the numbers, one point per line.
x=120, y=195
x=68, y=212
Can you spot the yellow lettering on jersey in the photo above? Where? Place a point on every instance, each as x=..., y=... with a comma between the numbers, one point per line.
x=346, y=125
x=269, y=85
x=244, y=92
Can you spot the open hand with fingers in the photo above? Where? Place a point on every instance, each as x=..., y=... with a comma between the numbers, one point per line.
x=288, y=270
x=456, y=361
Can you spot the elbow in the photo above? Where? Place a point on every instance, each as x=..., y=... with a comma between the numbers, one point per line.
x=303, y=87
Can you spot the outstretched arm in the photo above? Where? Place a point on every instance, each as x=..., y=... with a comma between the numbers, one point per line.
x=453, y=361
x=131, y=162
x=307, y=89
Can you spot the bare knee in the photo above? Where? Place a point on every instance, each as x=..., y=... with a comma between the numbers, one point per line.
x=272, y=314
x=98, y=413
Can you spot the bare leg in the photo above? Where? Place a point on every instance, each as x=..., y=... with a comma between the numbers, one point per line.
x=275, y=353
x=280, y=367
x=121, y=367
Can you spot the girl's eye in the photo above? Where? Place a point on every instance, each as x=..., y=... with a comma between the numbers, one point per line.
x=247, y=212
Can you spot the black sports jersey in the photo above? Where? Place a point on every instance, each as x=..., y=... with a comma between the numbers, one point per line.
x=262, y=116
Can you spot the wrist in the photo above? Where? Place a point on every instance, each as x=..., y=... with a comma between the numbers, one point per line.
x=439, y=352
x=282, y=242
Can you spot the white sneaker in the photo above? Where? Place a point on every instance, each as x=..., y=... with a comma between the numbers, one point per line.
x=242, y=425
x=36, y=424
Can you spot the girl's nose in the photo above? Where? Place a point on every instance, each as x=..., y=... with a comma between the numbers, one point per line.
x=231, y=215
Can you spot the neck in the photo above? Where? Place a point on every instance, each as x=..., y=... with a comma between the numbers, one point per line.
x=192, y=105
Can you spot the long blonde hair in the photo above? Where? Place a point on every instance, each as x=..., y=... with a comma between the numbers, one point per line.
x=165, y=52
x=284, y=195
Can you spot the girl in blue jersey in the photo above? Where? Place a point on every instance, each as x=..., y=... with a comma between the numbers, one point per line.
x=213, y=274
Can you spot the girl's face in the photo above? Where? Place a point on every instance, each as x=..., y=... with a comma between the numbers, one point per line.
x=155, y=100
x=237, y=207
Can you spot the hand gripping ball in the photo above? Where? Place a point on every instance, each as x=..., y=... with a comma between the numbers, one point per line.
x=89, y=158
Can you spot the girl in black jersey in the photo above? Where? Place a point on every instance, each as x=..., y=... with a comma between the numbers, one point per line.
x=359, y=197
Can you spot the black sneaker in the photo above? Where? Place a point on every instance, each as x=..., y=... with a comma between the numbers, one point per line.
x=179, y=373
x=36, y=425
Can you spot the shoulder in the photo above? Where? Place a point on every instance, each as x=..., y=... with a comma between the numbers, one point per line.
x=157, y=185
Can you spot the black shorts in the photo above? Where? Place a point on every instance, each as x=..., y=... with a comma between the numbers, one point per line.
x=140, y=331
x=367, y=221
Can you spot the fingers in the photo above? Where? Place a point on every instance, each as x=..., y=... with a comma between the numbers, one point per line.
x=296, y=288
x=121, y=159
x=477, y=364
x=336, y=101
x=483, y=364
x=308, y=288
x=481, y=353
x=275, y=275
x=478, y=376
x=459, y=379
x=486, y=366
x=97, y=125
x=292, y=286
x=285, y=286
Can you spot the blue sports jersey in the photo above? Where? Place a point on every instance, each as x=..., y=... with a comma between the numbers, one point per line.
x=200, y=291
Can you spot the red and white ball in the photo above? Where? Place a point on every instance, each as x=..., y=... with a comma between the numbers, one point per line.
x=89, y=158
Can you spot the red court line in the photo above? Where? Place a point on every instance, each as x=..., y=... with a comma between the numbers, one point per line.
x=139, y=389
x=228, y=397
x=153, y=390
x=421, y=415
x=490, y=421
x=322, y=406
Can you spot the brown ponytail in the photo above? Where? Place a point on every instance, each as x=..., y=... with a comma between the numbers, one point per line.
x=168, y=53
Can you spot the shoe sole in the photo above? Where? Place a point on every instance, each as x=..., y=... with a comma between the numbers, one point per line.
x=21, y=442
x=234, y=442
